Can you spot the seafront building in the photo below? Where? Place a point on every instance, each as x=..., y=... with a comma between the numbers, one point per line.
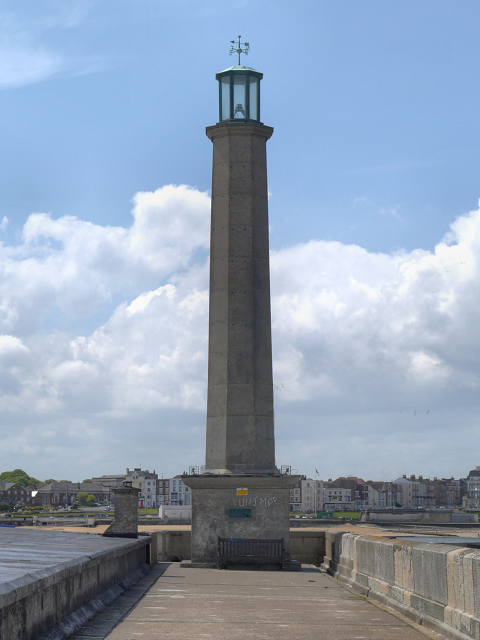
x=179, y=493
x=307, y=495
x=356, y=494
x=11, y=493
x=146, y=481
x=55, y=494
x=472, y=499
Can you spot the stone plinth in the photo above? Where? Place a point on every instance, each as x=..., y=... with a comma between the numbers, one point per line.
x=238, y=506
x=125, y=524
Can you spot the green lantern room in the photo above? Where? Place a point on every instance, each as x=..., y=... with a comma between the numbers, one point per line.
x=239, y=94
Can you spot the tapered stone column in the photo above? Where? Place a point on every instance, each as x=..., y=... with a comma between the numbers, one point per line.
x=240, y=429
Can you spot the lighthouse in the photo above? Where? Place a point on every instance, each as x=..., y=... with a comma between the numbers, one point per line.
x=241, y=492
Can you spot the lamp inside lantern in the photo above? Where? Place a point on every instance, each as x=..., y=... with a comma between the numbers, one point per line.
x=239, y=94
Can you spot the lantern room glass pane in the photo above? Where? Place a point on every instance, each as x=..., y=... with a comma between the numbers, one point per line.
x=253, y=98
x=225, y=84
x=239, y=97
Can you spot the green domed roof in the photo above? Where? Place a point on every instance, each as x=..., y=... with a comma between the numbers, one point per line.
x=239, y=67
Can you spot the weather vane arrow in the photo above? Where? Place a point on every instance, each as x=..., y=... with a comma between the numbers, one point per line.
x=237, y=48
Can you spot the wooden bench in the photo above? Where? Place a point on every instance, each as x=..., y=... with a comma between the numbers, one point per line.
x=250, y=551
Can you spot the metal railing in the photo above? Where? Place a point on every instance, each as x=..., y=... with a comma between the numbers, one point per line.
x=241, y=469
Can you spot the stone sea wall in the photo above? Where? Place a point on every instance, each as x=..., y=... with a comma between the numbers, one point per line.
x=50, y=603
x=435, y=585
x=307, y=547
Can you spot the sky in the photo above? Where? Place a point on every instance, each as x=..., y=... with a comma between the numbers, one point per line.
x=374, y=214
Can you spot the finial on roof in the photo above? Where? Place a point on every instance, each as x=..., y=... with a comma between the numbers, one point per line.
x=238, y=49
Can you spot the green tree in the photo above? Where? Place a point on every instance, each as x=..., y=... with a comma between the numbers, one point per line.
x=49, y=480
x=20, y=505
x=82, y=497
x=4, y=506
x=91, y=499
x=88, y=480
x=19, y=476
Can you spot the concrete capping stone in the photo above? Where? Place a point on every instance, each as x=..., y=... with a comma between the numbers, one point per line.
x=475, y=565
x=434, y=585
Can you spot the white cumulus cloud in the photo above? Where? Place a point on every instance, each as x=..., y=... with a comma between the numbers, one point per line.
x=375, y=355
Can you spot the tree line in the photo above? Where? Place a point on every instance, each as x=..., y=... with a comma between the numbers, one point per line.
x=21, y=477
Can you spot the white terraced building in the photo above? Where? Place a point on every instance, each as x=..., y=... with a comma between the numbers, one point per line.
x=180, y=494
x=147, y=483
x=473, y=489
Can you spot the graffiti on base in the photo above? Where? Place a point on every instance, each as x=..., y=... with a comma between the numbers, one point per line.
x=253, y=502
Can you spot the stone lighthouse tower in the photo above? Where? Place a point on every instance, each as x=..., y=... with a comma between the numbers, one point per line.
x=241, y=493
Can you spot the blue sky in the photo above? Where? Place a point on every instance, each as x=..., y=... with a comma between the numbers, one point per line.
x=374, y=156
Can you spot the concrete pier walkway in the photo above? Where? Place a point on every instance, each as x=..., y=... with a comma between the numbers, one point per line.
x=191, y=604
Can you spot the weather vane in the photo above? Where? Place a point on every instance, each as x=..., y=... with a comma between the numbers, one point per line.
x=239, y=50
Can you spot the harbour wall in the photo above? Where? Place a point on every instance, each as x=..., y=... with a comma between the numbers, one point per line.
x=434, y=585
x=51, y=603
x=307, y=547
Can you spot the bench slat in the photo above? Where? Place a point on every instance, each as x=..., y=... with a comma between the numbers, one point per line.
x=250, y=549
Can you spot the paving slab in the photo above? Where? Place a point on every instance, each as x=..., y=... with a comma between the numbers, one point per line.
x=189, y=604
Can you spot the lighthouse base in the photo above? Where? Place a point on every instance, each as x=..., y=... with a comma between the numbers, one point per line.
x=238, y=506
